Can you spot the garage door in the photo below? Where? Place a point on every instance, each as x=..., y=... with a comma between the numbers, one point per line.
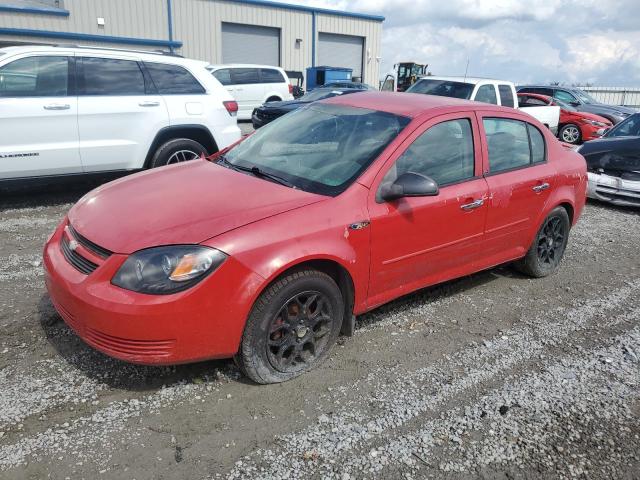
x=250, y=44
x=341, y=51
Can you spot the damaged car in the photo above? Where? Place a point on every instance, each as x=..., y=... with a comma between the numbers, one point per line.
x=613, y=164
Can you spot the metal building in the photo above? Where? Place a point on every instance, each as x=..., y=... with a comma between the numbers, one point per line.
x=218, y=31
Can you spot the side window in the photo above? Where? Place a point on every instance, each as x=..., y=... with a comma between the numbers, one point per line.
x=241, y=76
x=506, y=96
x=223, y=76
x=538, y=146
x=532, y=102
x=486, y=94
x=173, y=79
x=109, y=76
x=269, y=75
x=35, y=77
x=509, y=145
x=444, y=153
x=564, y=96
x=628, y=128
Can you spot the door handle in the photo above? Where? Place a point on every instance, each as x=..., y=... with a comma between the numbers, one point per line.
x=473, y=205
x=149, y=103
x=57, y=106
x=541, y=187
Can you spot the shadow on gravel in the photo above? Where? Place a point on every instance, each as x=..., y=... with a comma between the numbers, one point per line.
x=122, y=375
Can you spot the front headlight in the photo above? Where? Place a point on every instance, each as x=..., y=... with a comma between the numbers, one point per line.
x=596, y=123
x=165, y=270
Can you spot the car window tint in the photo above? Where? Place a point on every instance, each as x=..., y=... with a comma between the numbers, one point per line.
x=628, y=128
x=269, y=75
x=564, y=96
x=108, y=76
x=506, y=95
x=508, y=144
x=223, y=76
x=486, y=94
x=444, y=152
x=173, y=79
x=244, y=76
x=35, y=77
x=538, y=146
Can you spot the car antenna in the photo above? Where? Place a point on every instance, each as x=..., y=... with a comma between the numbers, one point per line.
x=466, y=70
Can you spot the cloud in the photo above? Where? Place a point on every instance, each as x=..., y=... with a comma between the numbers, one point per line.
x=573, y=41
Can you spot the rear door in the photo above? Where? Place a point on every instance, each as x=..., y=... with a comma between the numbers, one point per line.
x=119, y=113
x=520, y=181
x=424, y=240
x=38, y=117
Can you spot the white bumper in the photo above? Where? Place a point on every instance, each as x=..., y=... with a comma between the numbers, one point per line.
x=613, y=190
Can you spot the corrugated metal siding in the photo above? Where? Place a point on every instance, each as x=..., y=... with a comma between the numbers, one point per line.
x=369, y=29
x=123, y=18
x=197, y=23
x=627, y=96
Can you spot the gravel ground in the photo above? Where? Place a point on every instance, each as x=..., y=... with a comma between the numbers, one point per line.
x=492, y=376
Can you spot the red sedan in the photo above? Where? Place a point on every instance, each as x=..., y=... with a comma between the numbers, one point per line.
x=268, y=250
x=574, y=126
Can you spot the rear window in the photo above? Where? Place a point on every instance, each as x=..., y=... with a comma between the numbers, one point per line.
x=442, y=88
x=512, y=144
x=108, y=76
x=173, y=79
x=269, y=75
x=506, y=96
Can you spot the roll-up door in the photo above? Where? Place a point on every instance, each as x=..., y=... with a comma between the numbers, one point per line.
x=250, y=44
x=341, y=51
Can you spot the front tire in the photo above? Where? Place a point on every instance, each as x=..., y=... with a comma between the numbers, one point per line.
x=547, y=250
x=291, y=328
x=176, y=151
x=570, y=133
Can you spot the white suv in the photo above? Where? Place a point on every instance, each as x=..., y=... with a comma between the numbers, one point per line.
x=78, y=110
x=253, y=85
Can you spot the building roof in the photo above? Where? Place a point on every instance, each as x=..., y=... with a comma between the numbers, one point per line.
x=304, y=8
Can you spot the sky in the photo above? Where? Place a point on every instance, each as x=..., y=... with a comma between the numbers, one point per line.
x=594, y=42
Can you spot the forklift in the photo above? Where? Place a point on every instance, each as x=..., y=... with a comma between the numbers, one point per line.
x=404, y=75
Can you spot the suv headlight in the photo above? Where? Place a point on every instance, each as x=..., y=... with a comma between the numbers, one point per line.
x=165, y=270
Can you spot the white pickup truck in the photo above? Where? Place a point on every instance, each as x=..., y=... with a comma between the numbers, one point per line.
x=498, y=92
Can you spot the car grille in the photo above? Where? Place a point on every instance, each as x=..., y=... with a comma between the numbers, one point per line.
x=262, y=115
x=80, y=263
x=140, y=348
x=89, y=245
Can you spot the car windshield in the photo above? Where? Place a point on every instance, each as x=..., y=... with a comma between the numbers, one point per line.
x=321, y=148
x=629, y=127
x=565, y=105
x=319, y=94
x=442, y=88
x=584, y=96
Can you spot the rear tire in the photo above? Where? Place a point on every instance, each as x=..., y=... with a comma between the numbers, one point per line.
x=176, y=151
x=570, y=133
x=291, y=328
x=547, y=250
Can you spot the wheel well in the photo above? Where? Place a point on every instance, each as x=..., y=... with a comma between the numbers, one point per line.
x=338, y=273
x=569, y=209
x=197, y=133
x=273, y=98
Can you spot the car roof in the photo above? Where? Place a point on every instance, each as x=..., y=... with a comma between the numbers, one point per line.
x=409, y=104
x=560, y=87
x=472, y=80
x=242, y=65
x=147, y=56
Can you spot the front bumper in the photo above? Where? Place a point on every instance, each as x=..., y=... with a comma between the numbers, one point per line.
x=613, y=190
x=203, y=322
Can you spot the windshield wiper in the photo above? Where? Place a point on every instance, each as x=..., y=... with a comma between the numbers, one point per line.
x=255, y=171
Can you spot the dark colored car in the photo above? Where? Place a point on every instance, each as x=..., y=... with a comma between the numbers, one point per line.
x=272, y=110
x=613, y=164
x=581, y=100
x=357, y=85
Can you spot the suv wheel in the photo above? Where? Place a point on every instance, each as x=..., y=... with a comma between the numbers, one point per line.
x=176, y=151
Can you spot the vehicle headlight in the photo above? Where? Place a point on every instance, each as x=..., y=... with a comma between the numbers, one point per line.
x=596, y=123
x=165, y=270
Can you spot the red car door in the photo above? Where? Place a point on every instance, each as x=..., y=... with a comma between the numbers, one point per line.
x=417, y=241
x=520, y=180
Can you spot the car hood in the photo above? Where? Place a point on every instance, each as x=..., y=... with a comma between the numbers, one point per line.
x=592, y=116
x=611, y=154
x=282, y=106
x=181, y=204
x=611, y=109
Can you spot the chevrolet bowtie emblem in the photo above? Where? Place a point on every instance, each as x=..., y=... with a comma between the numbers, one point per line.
x=73, y=245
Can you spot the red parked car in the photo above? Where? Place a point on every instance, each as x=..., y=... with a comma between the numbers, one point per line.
x=267, y=251
x=574, y=126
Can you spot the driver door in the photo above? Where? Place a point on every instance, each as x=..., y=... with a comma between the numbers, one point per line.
x=419, y=241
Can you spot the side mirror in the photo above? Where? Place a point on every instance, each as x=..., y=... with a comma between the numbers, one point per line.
x=574, y=104
x=410, y=184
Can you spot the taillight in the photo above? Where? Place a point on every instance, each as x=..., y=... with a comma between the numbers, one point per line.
x=290, y=88
x=231, y=106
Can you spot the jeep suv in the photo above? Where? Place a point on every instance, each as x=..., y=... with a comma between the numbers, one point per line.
x=79, y=110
